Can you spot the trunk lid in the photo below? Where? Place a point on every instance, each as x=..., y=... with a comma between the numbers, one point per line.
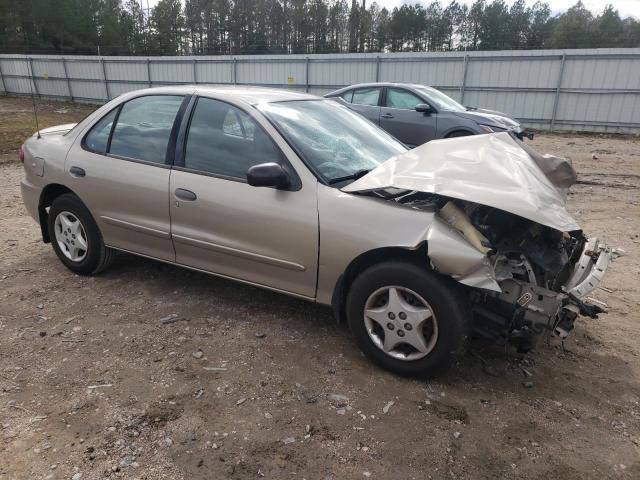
x=56, y=129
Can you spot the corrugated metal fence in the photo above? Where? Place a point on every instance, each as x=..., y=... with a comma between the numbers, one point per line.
x=591, y=90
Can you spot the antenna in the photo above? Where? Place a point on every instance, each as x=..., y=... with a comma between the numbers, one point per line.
x=33, y=97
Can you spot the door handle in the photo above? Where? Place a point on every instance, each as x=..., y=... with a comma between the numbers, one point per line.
x=77, y=172
x=184, y=194
x=386, y=115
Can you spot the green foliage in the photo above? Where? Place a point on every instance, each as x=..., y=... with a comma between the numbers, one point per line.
x=175, y=27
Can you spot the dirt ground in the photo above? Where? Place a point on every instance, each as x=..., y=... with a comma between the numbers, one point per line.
x=93, y=384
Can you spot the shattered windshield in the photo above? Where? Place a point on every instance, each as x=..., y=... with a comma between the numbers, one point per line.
x=334, y=141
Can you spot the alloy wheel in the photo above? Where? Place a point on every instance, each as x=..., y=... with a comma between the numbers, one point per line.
x=70, y=236
x=400, y=323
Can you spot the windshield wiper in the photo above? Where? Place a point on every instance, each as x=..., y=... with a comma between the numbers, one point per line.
x=353, y=176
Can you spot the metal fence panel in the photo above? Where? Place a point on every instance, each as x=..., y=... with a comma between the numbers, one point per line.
x=439, y=73
x=83, y=69
x=590, y=90
x=214, y=72
x=167, y=72
x=127, y=70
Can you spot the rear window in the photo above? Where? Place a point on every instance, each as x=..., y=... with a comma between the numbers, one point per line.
x=142, y=129
x=144, y=126
x=98, y=138
x=366, y=96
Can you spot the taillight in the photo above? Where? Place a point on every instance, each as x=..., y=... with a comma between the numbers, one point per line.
x=21, y=153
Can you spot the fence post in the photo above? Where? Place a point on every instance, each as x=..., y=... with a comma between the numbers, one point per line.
x=195, y=71
x=306, y=75
x=234, y=71
x=149, y=72
x=33, y=77
x=66, y=76
x=465, y=65
x=106, y=81
x=4, y=85
x=557, y=97
x=377, y=68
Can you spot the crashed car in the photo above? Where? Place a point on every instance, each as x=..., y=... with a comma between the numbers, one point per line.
x=416, y=250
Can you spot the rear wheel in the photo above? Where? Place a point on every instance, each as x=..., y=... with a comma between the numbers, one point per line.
x=76, y=238
x=408, y=319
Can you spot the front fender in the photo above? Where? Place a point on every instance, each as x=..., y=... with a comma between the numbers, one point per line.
x=451, y=254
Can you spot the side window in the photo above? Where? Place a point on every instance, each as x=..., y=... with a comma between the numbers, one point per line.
x=144, y=126
x=98, y=138
x=224, y=140
x=366, y=96
x=238, y=124
x=397, y=98
x=347, y=96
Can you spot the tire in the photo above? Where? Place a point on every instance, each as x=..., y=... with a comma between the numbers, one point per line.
x=445, y=335
x=91, y=260
x=459, y=133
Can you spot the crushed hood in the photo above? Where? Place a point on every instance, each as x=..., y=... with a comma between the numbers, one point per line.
x=492, y=170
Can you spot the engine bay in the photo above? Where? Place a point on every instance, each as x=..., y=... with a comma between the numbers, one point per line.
x=534, y=265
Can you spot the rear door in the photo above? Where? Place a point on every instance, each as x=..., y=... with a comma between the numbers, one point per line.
x=120, y=170
x=399, y=117
x=221, y=224
x=365, y=101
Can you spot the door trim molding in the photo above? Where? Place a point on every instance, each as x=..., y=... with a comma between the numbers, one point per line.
x=256, y=257
x=220, y=275
x=135, y=227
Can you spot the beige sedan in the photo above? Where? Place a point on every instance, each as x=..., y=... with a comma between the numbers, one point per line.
x=416, y=250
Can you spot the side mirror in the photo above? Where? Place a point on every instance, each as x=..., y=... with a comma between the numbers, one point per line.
x=424, y=108
x=268, y=175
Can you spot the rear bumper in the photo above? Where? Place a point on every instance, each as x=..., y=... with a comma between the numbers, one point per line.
x=31, y=198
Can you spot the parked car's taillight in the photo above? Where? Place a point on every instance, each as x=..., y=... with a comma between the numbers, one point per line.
x=21, y=153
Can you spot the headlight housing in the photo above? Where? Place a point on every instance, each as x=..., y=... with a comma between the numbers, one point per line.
x=486, y=128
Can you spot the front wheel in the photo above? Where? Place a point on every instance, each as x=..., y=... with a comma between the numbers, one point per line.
x=76, y=238
x=459, y=133
x=408, y=319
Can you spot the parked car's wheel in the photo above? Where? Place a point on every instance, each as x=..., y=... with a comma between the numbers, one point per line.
x=408, y=319
x=76, y=238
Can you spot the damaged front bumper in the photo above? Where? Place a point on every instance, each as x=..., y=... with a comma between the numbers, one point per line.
x=525, y=310
x=589, y=270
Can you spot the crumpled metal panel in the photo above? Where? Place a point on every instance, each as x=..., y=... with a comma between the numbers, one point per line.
x=453, y=255
x=491, y=170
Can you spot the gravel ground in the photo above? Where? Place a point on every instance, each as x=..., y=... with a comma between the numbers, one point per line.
x=247, y=383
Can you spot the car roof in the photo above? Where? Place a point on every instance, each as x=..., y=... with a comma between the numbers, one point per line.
x=246, y=93
x=378, y=84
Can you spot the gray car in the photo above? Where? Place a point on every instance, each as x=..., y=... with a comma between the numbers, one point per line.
x=415, y=249
x=416, y=114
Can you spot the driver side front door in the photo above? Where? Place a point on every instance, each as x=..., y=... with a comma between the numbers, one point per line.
x=399, y=117
x=221, y=224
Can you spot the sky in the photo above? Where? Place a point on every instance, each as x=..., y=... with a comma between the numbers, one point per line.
x=625, y=7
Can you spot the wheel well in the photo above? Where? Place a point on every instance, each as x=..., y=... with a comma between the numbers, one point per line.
x=48, y=195
x=460, y=130
x=365, y=260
